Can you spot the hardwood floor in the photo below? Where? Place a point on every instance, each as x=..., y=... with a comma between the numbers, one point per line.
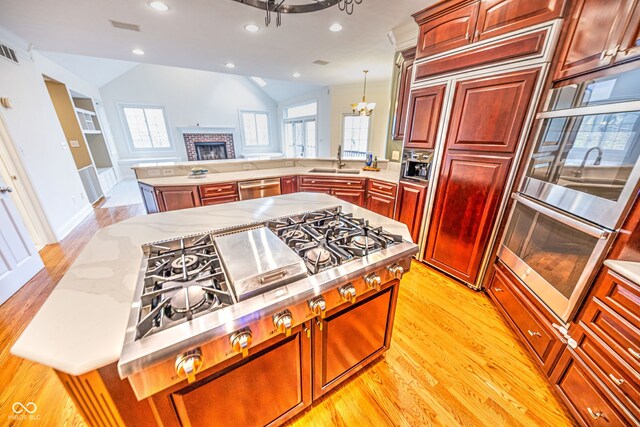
x=453, y=360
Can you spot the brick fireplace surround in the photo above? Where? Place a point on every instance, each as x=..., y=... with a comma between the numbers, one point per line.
x=190, y=140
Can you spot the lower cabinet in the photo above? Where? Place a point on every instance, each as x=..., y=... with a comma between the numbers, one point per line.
x=380, y=204
x=344, y=342
x=176, y=198
x=410, y=207
x=352, y=196
x=289, y=184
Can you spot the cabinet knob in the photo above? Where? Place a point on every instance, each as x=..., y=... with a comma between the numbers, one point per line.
x=241, y=341
x=496, y=289
x=348, y=293
x=596, y=414
x=373, y=281
x=396, y=271
x=283, y=322
x=616, y=381
x=534, y=333
x=318, y=306
x=6, y=190
x=188, y=364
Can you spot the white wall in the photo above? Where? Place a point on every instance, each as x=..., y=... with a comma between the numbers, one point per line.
x=38, y=141
x=342, y=96
x=189, y=97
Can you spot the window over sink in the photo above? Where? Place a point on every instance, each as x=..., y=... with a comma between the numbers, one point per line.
x=355, y=136
x=147, y=128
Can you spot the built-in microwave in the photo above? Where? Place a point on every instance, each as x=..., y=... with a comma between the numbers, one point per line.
x=587, y=145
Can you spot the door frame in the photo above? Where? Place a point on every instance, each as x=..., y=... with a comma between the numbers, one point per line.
x=24, y=197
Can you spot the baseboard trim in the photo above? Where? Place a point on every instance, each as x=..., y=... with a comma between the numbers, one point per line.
x=63, y=231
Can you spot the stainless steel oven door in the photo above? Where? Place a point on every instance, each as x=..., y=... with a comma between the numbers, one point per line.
x=555, y=255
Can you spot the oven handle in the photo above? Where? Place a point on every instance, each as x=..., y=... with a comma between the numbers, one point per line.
x=591, y=230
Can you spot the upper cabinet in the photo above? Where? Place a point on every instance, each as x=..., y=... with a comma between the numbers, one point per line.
x=423, y=116
x=455, y=23
x=404, y=87
x=600, y=33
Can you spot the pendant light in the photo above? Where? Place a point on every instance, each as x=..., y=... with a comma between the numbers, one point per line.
x=364, y=108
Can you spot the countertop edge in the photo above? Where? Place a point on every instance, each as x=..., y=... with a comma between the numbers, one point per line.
x=628, y=269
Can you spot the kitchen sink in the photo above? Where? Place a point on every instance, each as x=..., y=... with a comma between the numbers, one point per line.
x=340, y=171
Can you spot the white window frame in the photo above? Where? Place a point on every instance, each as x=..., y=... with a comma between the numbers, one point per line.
x=125, y=126
x=301, y=119
x=256, y=148
x=368, y=136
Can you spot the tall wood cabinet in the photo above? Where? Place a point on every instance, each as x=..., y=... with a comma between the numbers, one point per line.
x=404, y=88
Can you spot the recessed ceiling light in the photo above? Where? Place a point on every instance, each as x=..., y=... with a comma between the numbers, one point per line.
x=252, y=28
x=335, y=27
x=230, y=65
x=138, y=51
x=260, y=82
x=159, y=6
x=296, y=74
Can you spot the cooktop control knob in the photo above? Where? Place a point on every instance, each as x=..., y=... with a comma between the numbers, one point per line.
x=373, y=281
x=241, y=341
x=348, y=293
x=396, y=271
x=188, y=364
x=283, y=322
x=318, y=306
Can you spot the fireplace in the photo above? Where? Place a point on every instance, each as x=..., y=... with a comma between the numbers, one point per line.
x=209, y=146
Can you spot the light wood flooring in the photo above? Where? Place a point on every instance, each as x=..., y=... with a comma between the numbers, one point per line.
x=453, y=360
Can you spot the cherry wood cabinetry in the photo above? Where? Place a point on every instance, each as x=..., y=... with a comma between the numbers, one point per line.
x=215, y=194
x=175, y=198
x=601, y=33
x=404, y=87
x=456, y=23
x=351, y=338
x=410, y=207
x=423, y=117
x=532, y=323
x=350, y=190
x=289, y=184
x=381, y=197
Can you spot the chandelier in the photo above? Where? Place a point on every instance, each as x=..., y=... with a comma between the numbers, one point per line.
x=278, y=7
x=364, y=108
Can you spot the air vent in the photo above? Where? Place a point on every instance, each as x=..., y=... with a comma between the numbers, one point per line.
x=125, y=26
x=320, y=62
x=7, y=53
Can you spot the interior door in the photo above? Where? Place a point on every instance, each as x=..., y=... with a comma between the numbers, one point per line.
x=19, y=260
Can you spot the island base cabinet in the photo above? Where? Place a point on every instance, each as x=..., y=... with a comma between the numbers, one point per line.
x=345, y=342
x=268, y=387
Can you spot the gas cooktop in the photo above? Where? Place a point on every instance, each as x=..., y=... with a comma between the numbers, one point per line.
x=194, y=275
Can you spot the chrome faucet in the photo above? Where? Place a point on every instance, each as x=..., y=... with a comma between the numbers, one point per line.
x=596, y=162
x=340, y=163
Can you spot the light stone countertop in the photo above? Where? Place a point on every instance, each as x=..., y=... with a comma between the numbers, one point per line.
x=81, y=326
x=628, y=269
x=392, y=176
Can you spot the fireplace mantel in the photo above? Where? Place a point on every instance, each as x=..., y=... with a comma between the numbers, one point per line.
x=196, y=136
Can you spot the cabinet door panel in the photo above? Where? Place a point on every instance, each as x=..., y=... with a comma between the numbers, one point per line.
x=503, y=16
x=382, y=205
x=595, y=29
x=175, y=198
x=410, y=207
x=149, y=198
x=423, y=116
x=488, y=113
x=630, y=46
x=465, y=210
x=404, y=87
x=289, y=184
x=455, y=29
x=352, y=196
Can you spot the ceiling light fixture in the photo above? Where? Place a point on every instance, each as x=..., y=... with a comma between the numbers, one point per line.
x=230, y=65
x=281, y=6
x=335, y=28
x=364, y=108
x=137, y=52
x=260, y=82
x=252, y=28
x=159, y=6
x=296, y=74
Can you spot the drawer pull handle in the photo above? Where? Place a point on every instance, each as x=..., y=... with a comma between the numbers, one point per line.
x=634, y=353
x=534, y=333
x=617, y=381
x=498, y=289
x=597, y=414
x=219, y=190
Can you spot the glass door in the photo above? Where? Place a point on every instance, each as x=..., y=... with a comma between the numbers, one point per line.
x=300, y=138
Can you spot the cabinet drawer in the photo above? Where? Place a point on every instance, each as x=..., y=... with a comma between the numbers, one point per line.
x=218, y=200
x=621, y=295
x=310, y=189
x=332, y=182
x=383, y=188
x=530, y=325
x=213, y=190
x=584, y=394
x=616, y=374
x=614, y=330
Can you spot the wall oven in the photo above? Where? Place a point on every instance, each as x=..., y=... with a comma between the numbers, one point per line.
x=584, y=160
x=553, y=253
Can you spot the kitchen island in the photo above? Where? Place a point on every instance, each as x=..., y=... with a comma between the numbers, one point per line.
x=81, y=328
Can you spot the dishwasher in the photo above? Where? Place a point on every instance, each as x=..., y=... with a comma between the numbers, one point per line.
x=261, y=188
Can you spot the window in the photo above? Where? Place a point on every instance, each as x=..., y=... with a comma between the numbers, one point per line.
x=300, y=130
x=255, y=128
x=355, y=136
x=147, y=128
